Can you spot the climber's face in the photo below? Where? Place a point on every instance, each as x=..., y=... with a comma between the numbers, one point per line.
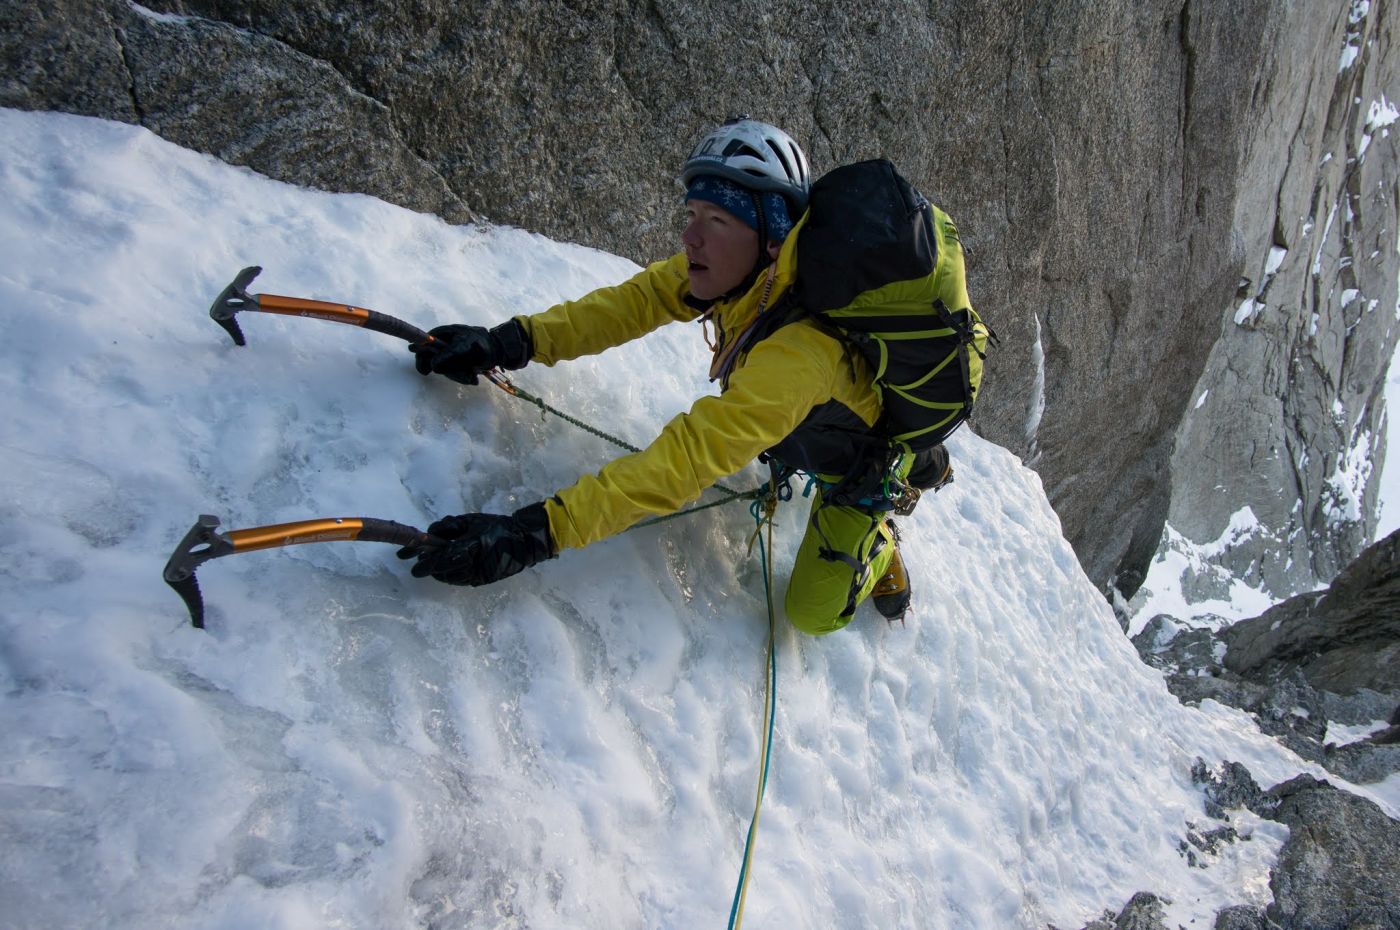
x=720, y=247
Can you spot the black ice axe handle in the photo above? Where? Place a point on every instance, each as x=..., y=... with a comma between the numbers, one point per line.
x=235, y=299
x=204, y=542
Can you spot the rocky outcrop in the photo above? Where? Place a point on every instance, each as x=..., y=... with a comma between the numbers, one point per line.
x=1286, y=706
x=1307, y=664
x=1117, y=170
x=1143, y=912
x=1318, y=659
x=1341, y=640
x=1336, y=868
x=1339, y=865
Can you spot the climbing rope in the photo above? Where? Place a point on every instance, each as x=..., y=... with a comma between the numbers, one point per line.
x=505, y=384
x=765, y=504
x=762, y=511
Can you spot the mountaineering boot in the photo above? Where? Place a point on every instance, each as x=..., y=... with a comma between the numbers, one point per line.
x=931, y=470
x=891, y=593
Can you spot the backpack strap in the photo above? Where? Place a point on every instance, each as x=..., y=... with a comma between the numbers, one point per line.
x=966, y=337
x=765, y=324
x=966, y=331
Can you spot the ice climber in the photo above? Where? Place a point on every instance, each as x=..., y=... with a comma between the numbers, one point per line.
x=798, y=395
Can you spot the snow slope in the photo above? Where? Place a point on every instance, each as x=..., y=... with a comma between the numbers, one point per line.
x=576, y=747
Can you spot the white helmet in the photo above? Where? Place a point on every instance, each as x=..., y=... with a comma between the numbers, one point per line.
x=755, y=155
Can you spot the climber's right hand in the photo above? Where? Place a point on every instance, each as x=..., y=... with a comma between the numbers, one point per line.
x=462, y=353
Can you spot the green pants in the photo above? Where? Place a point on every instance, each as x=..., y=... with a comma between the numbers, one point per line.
x=822, y=595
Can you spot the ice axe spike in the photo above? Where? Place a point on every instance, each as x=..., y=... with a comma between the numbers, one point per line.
x=235, y=299
x=204, y=542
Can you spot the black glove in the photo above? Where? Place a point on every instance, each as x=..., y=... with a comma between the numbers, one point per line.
x=484, y=547
x=463, y=352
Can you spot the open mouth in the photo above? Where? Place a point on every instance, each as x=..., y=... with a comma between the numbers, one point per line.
x=696, y=266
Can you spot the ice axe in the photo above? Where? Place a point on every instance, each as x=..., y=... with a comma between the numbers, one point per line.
x=235, y=299
x=204, y=542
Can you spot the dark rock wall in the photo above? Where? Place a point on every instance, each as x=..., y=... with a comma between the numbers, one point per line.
x=1106, y=163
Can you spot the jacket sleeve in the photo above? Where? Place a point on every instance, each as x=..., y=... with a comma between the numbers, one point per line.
x=783, y=378
x=611, y=316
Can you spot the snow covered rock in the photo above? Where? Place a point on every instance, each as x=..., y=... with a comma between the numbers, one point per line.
x=1339, y=866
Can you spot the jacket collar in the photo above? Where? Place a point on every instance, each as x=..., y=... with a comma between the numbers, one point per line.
x=734, y=318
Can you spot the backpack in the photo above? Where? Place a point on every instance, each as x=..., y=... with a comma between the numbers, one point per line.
x=879, y=265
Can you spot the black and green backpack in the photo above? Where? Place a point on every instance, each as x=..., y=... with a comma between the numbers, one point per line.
x=883, y=267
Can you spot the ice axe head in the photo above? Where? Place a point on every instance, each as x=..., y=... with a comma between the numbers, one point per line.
x=233, y=298
x=202, y=543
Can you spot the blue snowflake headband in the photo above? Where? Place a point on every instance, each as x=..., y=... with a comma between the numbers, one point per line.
x=739, y=201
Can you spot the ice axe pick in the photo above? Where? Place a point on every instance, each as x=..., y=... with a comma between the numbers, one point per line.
x=235, y=299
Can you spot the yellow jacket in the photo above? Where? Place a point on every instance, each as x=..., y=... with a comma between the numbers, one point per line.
x=799, y=376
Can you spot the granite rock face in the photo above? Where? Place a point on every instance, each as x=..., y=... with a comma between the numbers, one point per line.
x=242, y=96
x=1337, y=867
x=1312, y=661
x=1274, y=459
x=1117, y=170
